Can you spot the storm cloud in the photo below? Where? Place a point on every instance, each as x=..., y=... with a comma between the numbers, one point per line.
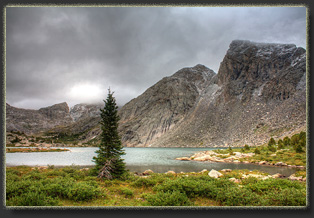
x=74, y=54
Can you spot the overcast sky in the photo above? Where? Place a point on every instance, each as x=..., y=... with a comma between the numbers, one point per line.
x=74, y=54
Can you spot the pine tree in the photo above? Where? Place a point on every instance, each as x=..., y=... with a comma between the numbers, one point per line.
x=110, y=147
x=286, y=141
x=271, y=142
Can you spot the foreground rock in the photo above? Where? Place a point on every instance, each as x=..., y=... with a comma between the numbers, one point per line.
x=215, y=174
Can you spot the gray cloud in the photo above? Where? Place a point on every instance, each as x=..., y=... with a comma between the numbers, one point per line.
x=74, y=54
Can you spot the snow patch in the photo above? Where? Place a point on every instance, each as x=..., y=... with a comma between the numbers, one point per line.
x=258, y=92
x=298, y=60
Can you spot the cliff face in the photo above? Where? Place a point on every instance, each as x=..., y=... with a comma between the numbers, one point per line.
x=259, y=92
x=274, y=69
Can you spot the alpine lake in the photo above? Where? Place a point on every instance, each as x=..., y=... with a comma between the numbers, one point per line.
x=159, y=160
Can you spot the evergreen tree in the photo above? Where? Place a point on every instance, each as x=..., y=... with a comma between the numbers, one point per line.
x=302, y=139
x=298, y=148
x=230, y=150
x=257, y=151
x=280, y=144
x=271, y=142
x=286, y=141
x=271, y=145
x=110, y=147
x=294, y=140
x=246, y=147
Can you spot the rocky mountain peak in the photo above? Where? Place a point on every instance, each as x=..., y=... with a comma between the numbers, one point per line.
x=56, y=111
x=195, y=72
x=250, y=65
x=81, y=111
x=162, y=106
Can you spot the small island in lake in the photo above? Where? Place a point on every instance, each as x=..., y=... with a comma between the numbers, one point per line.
x=14, y=150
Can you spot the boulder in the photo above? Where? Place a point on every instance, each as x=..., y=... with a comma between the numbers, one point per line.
x=203, y=158
x=235, y=180
x=280, y=164
x=183, y=158
x=147, y=172
x=278, y=175
x=214, y=173
x=262, y=162
x=171, y=172
x=293, y=178
x=226, y=170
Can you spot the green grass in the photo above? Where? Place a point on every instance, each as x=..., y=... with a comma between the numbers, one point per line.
x=71, y=187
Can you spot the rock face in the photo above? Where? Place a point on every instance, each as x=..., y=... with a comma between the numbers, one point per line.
x=163, y=106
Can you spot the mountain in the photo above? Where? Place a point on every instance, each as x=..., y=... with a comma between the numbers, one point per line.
x=163, y=106
x=52, y=117
x=259, y=92
x=33, y=121
x=83, y=111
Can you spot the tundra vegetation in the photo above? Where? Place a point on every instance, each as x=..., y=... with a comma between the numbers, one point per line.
x=71, y=186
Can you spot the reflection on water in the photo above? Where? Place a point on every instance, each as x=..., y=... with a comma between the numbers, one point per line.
x=159, y=160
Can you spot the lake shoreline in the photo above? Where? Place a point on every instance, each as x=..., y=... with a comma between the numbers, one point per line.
x=160, y=160
x=235, y=158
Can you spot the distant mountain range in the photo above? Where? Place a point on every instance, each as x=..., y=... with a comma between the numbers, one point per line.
x=259, y=92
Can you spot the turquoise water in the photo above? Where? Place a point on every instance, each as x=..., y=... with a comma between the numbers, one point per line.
x=159, y=160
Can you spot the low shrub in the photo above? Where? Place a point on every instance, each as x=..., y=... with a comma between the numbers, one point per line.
x=236, y=196
x=150, y=181
x=126, y=192
x=82, y=191
x=169, y=198
x=16, y=188
x=33, y=199
x=195, y=187
x=286, y=197
x=271, y=185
